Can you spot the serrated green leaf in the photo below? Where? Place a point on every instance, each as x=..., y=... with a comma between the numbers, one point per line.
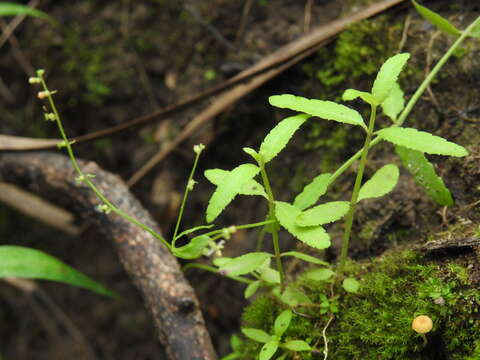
x=13, y=9
x=252, y=288
x=194, y=249
x=229, y=188
x=351, y=285
x=24, y=262
x=394, y=103
x=268, y=350
x=319, y=274
x=296, y=345
x=421, y=141
x=251, y=187
x=282, y=322
x=381, y=183
x=256, y=335
x=352, y=94
x=324, y=109
x=279, y=136
x=305, y=257
x=323, y=214
x=424, y=175
x=270, y=275
x=244, y=264
x=312, y=192
x=315, y=236
x=191, y=230
x=292, y=296
x=388, y=75
x=435, y=19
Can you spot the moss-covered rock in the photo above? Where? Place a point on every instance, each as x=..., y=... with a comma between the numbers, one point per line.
x=375, y=323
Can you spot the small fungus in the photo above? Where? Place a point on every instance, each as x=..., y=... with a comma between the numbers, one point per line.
x=422, y=324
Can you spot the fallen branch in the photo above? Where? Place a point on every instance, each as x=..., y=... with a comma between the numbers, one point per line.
x=168, y=296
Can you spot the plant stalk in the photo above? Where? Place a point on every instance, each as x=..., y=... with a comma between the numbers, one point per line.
x=356, y=189
x=271, y=216
x=86, y=179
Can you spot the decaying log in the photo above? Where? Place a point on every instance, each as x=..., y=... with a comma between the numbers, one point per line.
x=167, y=294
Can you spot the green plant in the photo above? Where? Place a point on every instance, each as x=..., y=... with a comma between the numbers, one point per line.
x=303, y=217
x=274, y=341
x=24, y=262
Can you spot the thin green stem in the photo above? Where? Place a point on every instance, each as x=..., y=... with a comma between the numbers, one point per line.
x=413, y=100
x=84, y=176
x=214, y=270
x=188, y=188
x=272, y=216
x=241, y=227
x=356, y=189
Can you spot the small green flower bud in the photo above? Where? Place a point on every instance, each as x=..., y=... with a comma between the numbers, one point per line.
x=43, y=94
x=103, y=208
x=191, y=185
x=198, y=148
x=50, y=116
x=40, y=72
x=34, y=80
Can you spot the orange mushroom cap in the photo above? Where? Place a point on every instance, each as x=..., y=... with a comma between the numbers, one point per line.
x=422, y=324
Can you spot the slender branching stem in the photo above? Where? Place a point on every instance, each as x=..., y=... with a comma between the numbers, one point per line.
x=85, y=178
x=413, y=100
x=356, y=189
x=188, y=188
x=215, y=270
x=272, y=216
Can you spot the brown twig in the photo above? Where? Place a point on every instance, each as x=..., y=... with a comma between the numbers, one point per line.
x=168, y=296
x=308, y=15
x=243, y=22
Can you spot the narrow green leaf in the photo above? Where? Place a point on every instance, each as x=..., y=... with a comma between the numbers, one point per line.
x=388, y=75
x=351, y=285
x=296, y=345
x=319, y=274
x=324, y=109
x=235, y=343
x=280, y=135
x=305, y=257
x=13, y=9
x=312, y=192
x=252, y=187
x=352, y=94
x=252, y=288
x=435, y=19
x=323, y=214
x=194, y=249
x=256, y=335
x=191, y=230
x=229, y=188
x=282, y=322
x=315, y=236
x=268, y=350
x=421, y=141
x=244, y=264
x=381, y=183
x=255, y=155
x=424, y=175
x=394, y=103
x=24, y=262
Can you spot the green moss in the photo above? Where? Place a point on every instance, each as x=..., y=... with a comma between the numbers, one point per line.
x=376, y=322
